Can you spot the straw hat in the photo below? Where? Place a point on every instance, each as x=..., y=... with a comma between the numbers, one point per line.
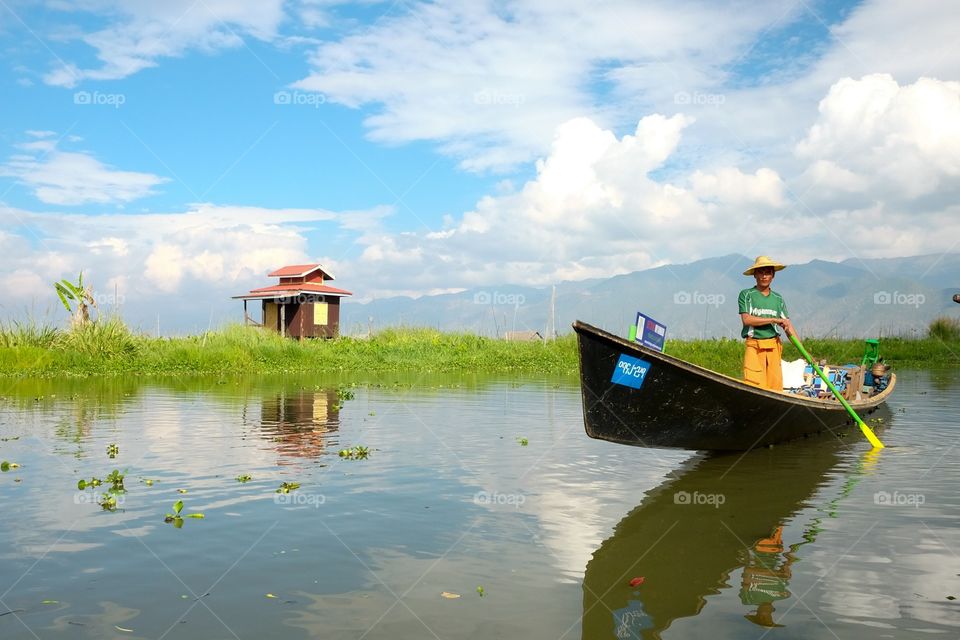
x=764, y=261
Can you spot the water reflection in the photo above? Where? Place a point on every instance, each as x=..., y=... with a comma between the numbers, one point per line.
x=690, y=536
x=299, y=421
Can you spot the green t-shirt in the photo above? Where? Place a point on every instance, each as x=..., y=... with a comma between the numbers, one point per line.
x=756, y=304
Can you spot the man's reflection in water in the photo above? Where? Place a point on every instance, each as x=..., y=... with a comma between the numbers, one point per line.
x=766, y=577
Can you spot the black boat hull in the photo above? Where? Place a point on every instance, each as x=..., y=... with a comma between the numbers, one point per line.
x=680, y=405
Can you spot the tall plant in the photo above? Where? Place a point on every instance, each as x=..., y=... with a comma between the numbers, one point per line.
x=81, y=296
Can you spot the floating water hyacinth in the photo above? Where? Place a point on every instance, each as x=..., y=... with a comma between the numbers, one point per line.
x=358, y=452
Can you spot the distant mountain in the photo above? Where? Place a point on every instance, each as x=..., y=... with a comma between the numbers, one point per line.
x=853, y=298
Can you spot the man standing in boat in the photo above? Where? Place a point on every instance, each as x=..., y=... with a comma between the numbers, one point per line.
x=762, y=310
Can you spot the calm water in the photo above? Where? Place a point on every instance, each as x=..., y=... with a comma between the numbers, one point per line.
x=820, y=539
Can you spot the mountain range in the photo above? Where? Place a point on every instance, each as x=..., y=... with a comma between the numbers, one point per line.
x=852, y=298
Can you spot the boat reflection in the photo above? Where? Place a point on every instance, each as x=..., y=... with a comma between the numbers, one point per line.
x=690, y=536
x=299, y=421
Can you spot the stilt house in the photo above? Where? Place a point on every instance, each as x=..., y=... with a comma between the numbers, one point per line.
x=301, y=306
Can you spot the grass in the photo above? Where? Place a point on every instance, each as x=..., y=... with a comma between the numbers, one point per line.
x=945, y=329
x=109, y=347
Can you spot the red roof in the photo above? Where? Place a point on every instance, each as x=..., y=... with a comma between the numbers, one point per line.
x=297, y=271
x=281, y=290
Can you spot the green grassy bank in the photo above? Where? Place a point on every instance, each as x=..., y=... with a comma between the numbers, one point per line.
x=108, y=347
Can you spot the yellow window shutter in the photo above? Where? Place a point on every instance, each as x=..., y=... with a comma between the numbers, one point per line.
x=320, y=313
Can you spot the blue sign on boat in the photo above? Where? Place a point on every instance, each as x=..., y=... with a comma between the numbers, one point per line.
x=630, y=371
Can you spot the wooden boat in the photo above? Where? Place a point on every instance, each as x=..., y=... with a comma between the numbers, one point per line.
x=639, y=396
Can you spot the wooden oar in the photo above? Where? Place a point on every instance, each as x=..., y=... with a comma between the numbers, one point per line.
x=874, y=440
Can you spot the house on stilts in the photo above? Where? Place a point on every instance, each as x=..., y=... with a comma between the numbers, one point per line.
x=301, y=306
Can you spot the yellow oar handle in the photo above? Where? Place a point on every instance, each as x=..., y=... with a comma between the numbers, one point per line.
x=870, y=435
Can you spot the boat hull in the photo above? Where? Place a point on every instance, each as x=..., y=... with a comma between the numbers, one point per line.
x=680, y=405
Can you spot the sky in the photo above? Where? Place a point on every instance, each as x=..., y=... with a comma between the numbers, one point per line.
x=177, y=152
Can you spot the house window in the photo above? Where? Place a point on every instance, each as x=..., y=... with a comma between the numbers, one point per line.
x=320, y=313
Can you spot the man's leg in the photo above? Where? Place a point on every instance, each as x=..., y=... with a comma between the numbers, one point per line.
x=774, y=368
x=753, y=364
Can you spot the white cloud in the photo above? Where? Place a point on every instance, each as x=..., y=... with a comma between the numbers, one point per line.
x=118, y=246
x=730, y=185
x=72, y=178
x=141, y=33
x=593, y=210
x=196, y=259
x=490, y=83
x=164, y=267
x=901, y=142
x=886, y=158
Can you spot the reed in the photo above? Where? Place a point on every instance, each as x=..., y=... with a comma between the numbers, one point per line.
x=27, y=334
x=109, y=347
x=944, y=328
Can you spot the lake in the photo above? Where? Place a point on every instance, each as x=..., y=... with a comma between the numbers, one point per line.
x=480, y=510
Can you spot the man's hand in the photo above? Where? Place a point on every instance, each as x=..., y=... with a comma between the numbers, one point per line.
x=787, y=326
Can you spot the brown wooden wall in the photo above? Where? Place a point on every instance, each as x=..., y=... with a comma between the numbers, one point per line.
x=299, y=319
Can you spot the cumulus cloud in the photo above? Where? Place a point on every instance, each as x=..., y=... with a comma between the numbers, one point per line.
x=901, y=142
x=142, y=33
x=881, y=160
x=593, y=210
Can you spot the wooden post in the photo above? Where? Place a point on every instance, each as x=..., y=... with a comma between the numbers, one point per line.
x=245, y=313
x=283, y=320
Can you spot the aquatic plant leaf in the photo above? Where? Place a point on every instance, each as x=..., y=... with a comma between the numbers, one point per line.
x=198, y=516
x=178, y=507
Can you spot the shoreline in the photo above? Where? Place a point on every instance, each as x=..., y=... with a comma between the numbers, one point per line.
x=111, y=349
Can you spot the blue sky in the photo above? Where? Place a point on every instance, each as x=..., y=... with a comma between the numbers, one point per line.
x=178, y=152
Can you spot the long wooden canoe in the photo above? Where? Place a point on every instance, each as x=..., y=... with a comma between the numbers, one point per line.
x=639, y=396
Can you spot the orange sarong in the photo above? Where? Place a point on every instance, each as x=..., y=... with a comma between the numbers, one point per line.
x=761, y=363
